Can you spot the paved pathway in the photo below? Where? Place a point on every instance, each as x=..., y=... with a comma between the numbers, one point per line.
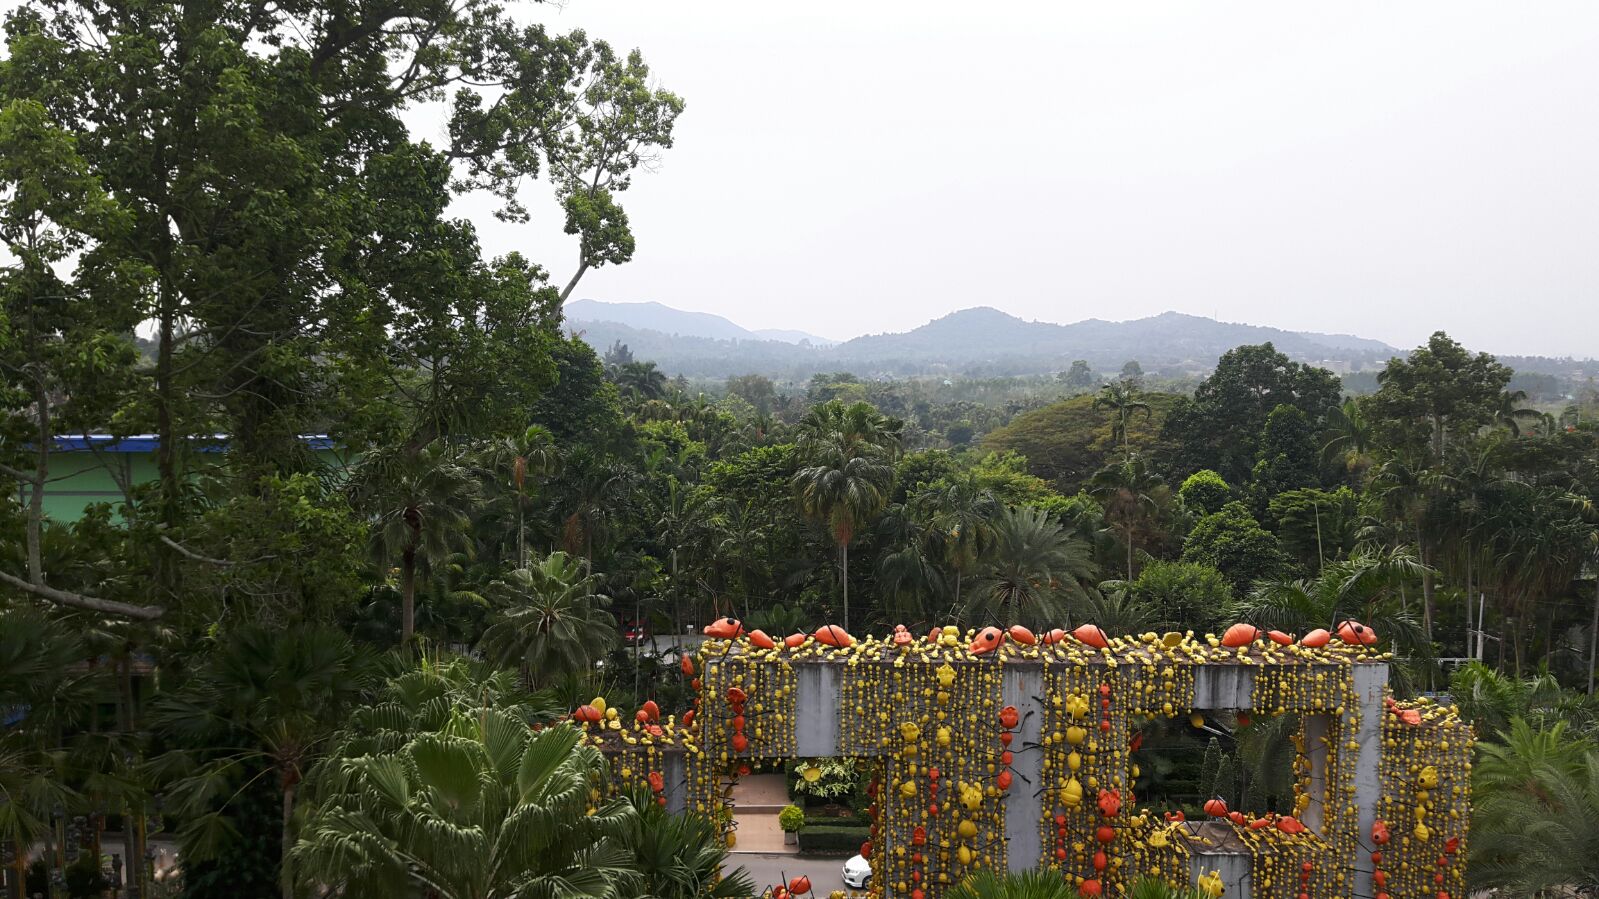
x=757, y=799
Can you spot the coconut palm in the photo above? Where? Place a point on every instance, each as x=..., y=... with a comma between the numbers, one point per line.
x=418, y=502
x=553, y=620
x=483, y=808
x=843, y=485
x=264, y=704
x=1131, y=494
x=1121, y=398
x=1035, y=571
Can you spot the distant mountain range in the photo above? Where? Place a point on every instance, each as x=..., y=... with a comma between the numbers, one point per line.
x=975, y=342
x=679, y=322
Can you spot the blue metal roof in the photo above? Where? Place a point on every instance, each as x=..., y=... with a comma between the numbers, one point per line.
x=149, y=443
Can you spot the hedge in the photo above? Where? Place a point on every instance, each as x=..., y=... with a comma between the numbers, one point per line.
x=830, y=841
x=837, y=821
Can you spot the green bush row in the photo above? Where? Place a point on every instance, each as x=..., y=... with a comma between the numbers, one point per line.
x=833, y=841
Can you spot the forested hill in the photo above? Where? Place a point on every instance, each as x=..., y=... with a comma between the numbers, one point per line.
x=978, y=341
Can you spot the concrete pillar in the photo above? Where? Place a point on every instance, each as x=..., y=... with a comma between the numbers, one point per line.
x=675, y=772
x=1022, y=686
x=1316, y=729
x=1368, y=681
x=816, y=712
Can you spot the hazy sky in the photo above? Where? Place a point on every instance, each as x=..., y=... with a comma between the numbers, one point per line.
x=1386, y=169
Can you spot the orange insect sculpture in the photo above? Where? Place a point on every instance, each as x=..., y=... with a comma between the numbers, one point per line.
x=988, y=639
x=833, y=635
x=761, y=641
x=1022, y=635
x=902, y=637
x=1356, y=634
x=1091, y=635
x=724, y=628
x=1316, y=639
x=1240, y=635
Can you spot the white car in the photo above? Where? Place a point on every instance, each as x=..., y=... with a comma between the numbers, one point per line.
x=857, y=873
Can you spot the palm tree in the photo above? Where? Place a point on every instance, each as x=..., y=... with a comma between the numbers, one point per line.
x=641, y=380
x=528, y=459
x=909, y=578
x=1366, y=588
x=853, y=425
x=1038, y=883
x=483, y=808
x=42, y=697
x=598, y=489
x=1035, y=569
x=1508, y=411
x=1535, y=814
x=846, y=480
x=1350, y=437
x=680, y=856
x=961, y=512
x=553, y=620
x=418, y=501
x=1120, y=397
x=1491, y=701
x=263, y=703
x=1407, y=493
x=1131, y=494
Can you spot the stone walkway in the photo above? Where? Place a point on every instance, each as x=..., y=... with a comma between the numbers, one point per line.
x=756, y=801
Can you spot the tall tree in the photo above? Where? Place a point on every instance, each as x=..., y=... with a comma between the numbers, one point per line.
x=1035, y=571
x=1121, y=398
x=65, y=342
x=261, y=706
x=1439, y=393
x=552, y=620
x=1221, y=426
x=418, y=501
x=1132, y=495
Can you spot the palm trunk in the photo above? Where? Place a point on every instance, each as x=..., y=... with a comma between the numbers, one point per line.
x=843, y=550
x=1593, y=631
x=1129, y=556
x=133, y=863
x=407, y=596
x=285, y=881
x=1426, y=586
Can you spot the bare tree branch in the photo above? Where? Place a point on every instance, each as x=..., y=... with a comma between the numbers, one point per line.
x=80, y=601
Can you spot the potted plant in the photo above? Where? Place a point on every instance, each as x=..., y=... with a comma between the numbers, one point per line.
x=791, y=819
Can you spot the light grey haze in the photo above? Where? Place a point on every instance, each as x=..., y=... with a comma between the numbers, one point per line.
x=1382, y=169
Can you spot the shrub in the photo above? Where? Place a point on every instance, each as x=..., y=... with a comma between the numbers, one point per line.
x=791, y=818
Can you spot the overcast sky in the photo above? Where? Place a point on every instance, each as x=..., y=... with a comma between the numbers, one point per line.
x=1386, y=169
